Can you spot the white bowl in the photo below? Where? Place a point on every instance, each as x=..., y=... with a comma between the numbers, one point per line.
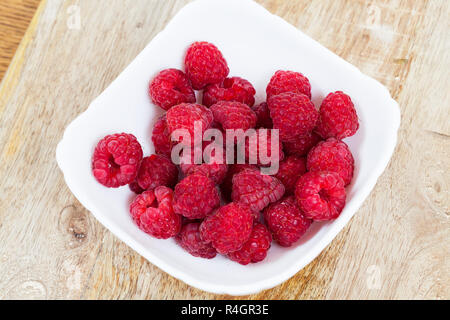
x=255, y=44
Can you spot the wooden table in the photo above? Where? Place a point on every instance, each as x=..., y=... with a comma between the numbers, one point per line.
x=396, y=246
x=15, y=15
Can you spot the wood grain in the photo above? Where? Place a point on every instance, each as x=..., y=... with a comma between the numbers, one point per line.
x=15, y=15
x=395, y=247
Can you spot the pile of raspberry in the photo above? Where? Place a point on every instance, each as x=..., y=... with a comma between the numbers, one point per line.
x=212, y=208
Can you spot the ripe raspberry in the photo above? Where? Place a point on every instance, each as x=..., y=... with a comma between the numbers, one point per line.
x=263, y=115
x=320, y=195
x=216, y=172
x=231, y=89
x=213, y=165
x=157, y=171
x=171, y=87
x=255, y=249
x=233, y=115
x=228, y=228
x=301, y=145
x=153, y=213
x=195, y=197
x=288, y=81
x=256, y=190
x=294, y=114
x=205, y=65
x=134, y=186
x=161, y=138
x=189, y=239
x=286, y=221
x=338, y=118
x=262, y=148
x=332, y=155
x=290, y=170
x=185, y=115
x=116, y=160
x=233, y=169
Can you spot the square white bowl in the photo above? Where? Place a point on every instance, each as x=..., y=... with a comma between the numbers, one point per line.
x=255, y=44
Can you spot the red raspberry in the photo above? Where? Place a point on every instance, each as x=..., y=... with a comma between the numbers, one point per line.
x=338, y=116
x=205, y=65
x=286, y=221
x=301, y=145
x=256, y=190
x=189, y=239
x=233, y=169
x=263, y=148
x=233, y=115
x=157, y=171
x=231, y=89
x=195, y=197
x=116, y=160
x=213, y=165
x=293, y=113
x=228, y=228
x=290, y=170
x=263, y=115
x=171, y=87
x=255, y=249
x=216, y=172
x=161, y=138
x=320, y=195
x=134, y=186
x=288, y=81
x=332, y=155
x=153, y=213
x=184, y=116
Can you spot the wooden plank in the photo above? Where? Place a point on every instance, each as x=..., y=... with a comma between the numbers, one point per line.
x=396, y=246
x=15, y=16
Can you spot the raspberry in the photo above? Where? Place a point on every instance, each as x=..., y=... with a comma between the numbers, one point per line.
x=116, y=160
x=263, y=116
x=233, y=169
x=255, y=249
x=205, y=65
x=189, y=239
x=256, y=190
x=288, y=81
x=171, y=87
x=301, y=145
x=332, y=155
x=263, y=148
x=286, y=221
x=338, y=118
x=216, y=172
x=161, y=138
x=290, y=170
x=185, y=115
x=195, y=197
x=320, y=195
x=233, y=115
x=157, y=171
x=228, y=228
x=213, y=166
x=134, y=186
x=231, y=89
x=294, y=114
x=153, y=213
